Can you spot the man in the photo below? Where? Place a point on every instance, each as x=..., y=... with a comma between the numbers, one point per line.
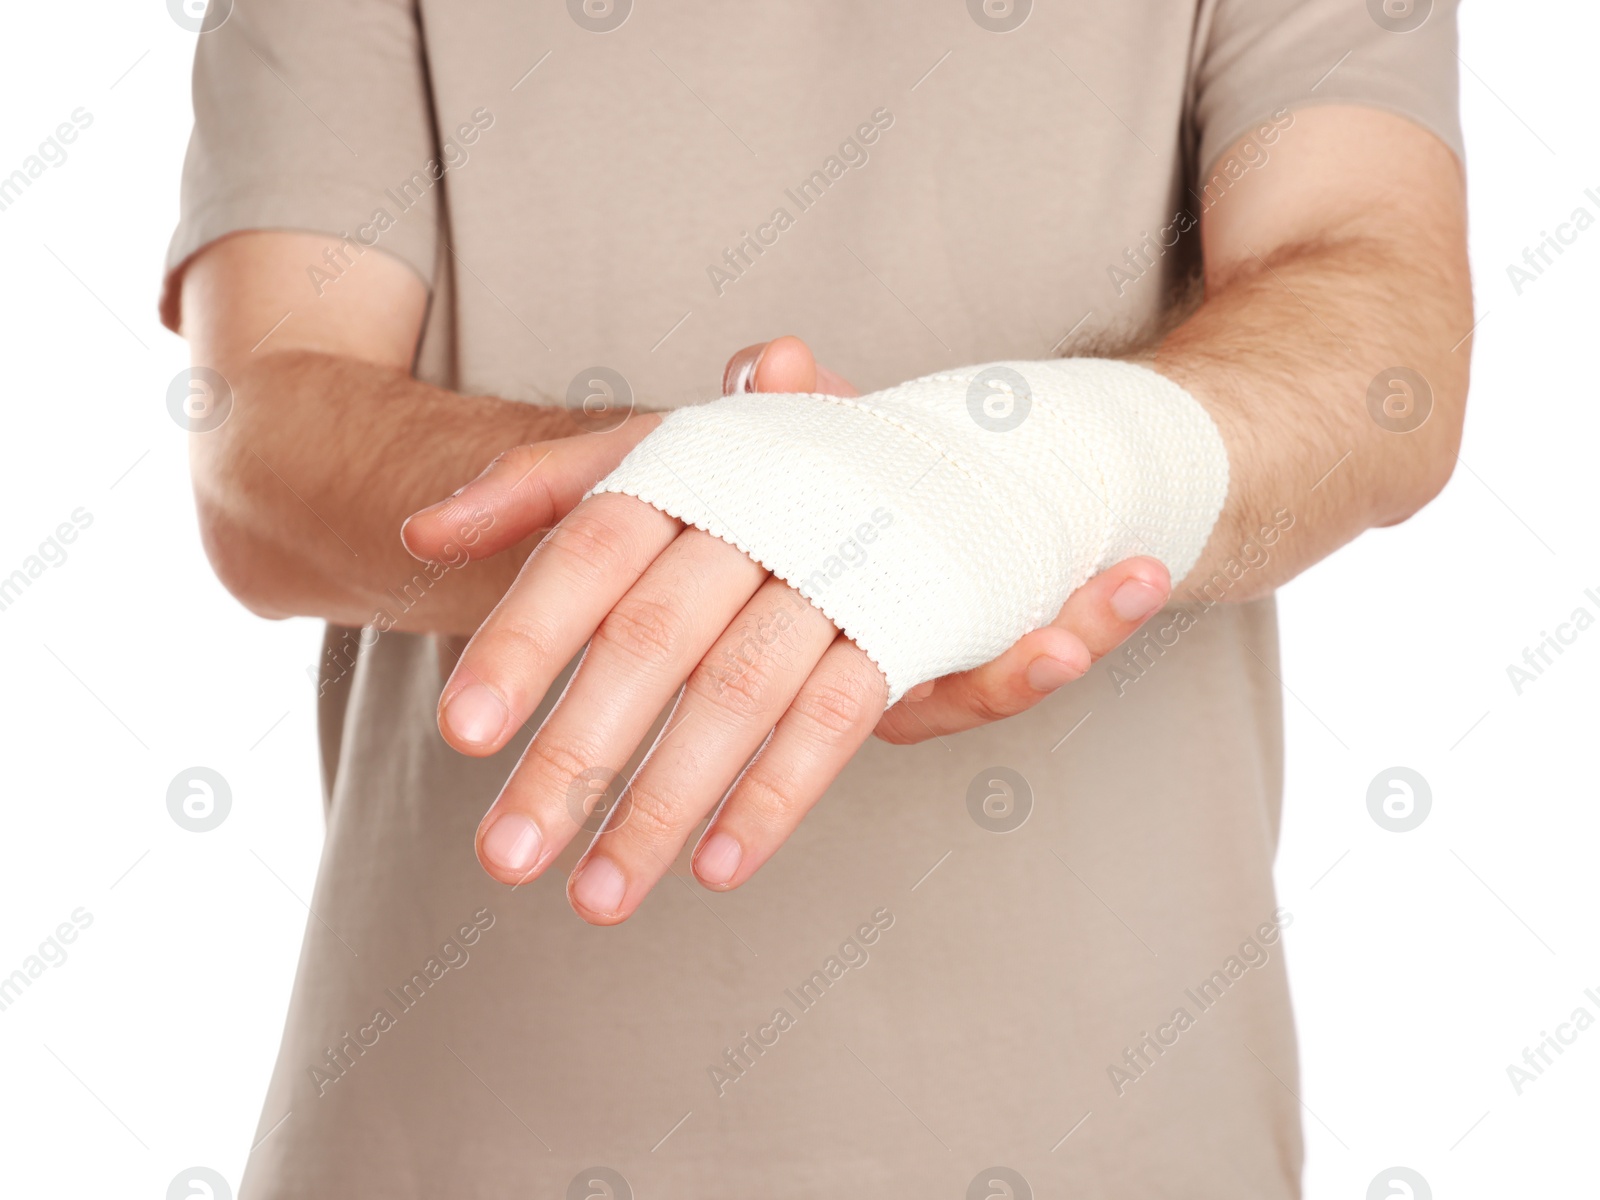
x=1028, y=940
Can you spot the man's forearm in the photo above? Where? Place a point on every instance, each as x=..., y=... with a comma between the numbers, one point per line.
x=302, y=491
x=1284, y=353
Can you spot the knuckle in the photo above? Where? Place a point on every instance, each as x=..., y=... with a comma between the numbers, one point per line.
x=531, y=485
x=501, y=657
x=650, y=816
x=840, y=704
x=644, y=627
x=766, y=801
x=741, y=688
x=523, y=640
x=513, y=461
x=558, y=762
x=988, y=705
x=590, y=544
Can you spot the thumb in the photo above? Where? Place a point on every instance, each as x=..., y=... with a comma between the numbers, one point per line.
x=525, y=490
x=785, y=364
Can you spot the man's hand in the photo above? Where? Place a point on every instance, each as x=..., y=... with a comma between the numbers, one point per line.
x=329, y=443
x=663, y=607
x=1096, y=619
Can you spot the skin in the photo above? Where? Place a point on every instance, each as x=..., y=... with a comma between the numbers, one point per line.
x=301, y=501
x=1341, y=260
x=301, y=497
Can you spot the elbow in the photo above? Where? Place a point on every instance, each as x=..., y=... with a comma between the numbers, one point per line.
x=234, y=550
x=1428, y=463
x=235, y=557
x=235, y=562
x=1436, y=474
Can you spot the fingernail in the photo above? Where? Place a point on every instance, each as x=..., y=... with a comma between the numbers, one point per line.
x=741, y=373
x=718, y=858
x=599, y=886
x=512, y=843
x=475, y=715
x=1135, y=600
x=1046, y=674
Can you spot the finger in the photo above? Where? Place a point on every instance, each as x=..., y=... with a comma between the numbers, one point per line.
x=1105, y=611
x=526, y=489
x=785, y=364
x=1096, y=619
x=729, y=705
x=1029, y=670
x=638, y=658
x=829, y=719
x=573, y=578
x=789, y=366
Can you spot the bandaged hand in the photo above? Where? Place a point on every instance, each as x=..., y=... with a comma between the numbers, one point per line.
x=662, y=605
x=937, y=522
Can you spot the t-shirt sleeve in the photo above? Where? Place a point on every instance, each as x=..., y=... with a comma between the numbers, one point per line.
x=1259, y=56
x=311, y=115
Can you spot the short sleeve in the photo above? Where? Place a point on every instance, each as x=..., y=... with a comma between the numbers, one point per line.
x=1259, y=56
x=311, y=115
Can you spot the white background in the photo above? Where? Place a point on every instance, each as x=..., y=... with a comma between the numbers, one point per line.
x=1422, y=963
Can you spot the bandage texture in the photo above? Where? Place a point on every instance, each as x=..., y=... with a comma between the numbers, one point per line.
x=938, y=521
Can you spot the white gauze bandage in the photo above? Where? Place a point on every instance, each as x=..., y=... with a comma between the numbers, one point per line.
x=938, y=521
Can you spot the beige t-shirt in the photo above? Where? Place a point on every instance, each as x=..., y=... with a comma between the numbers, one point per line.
x=1045, y=953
